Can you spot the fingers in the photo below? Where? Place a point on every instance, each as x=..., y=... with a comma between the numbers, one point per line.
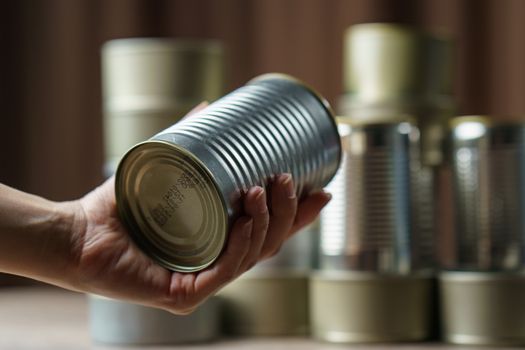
x=227, y=266
x=284, y=207
x=256, y=236
x=255, y=206
x=309, y=209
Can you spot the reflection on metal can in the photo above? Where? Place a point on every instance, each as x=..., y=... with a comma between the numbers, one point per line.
x=179, y=191
x=488, y=196
x=375, y=220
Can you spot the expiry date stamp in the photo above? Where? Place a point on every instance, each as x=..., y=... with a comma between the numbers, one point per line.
x=173, y=198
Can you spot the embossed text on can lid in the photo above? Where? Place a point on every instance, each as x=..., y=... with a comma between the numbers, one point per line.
x=171, y=206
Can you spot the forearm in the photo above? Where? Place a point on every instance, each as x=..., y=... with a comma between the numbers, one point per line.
x=35, y=236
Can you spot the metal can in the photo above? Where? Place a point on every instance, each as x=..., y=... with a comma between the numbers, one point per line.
x=488, y=196
x=121, y=323
x=370, y=225
x=483, y=251
x=180, y=191
x=150, y=83
x=387, y=61
x=391, y=70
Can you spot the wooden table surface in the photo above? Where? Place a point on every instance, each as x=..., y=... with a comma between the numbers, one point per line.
x=50, y=318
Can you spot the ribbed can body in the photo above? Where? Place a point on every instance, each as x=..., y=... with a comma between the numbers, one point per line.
x=268, y=127
x=372, y=222
x=272, y=125
x=488, y=196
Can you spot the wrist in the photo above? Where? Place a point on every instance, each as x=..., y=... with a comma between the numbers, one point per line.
x=70, y=225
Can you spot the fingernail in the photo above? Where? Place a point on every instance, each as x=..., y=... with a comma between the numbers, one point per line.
x=328, y=196
x=260, y=198
x=288, y=185
x=247, y=228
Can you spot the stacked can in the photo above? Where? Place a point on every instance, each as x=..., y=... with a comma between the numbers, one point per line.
x=483, y=284
x=282, y=282
x=375, y=278
x=148, y=84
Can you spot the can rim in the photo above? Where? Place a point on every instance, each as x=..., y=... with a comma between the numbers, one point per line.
x=400, y=28
x=125, y=46
x=480, y=276
x=353, y=275
x=397, y=119
x=486, y=120
x=124, y=209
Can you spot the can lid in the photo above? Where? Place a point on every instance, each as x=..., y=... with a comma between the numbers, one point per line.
x=481, y=119
x=172, y=206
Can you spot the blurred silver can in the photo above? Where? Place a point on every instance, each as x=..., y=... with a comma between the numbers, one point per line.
x=483, y=252
x=372, y=254
x=372, y=226
x=487, y=161
x=180, y=191
x=121, y=323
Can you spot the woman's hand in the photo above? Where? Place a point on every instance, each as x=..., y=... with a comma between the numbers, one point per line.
x=82, y=245
x=108, y=263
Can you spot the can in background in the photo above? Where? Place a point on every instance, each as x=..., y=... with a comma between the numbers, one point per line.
x=282, y=282
x=483, y=281
x=373, y=279
x=370, y=226
x=391, y=70
x=149, y=84
x=487, y=160
x=180, y=191
x=378, y=232
x=121, y=323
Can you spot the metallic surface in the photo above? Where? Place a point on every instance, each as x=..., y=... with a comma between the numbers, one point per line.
x=172, y=206
x=384, y=61
x=271, y=298
x=266, y=303
x=480, y=308
x=270, y=126
x=150, y=83
x=115, y=322
x=352, y=307
x=488, y=196
x=392, y=70
x=375, y=221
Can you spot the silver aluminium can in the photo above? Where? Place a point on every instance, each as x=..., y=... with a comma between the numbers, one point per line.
x=180, y=191
x=488, y=196
x=371, y=224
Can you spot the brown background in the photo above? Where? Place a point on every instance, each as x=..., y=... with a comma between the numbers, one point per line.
x=50, y=124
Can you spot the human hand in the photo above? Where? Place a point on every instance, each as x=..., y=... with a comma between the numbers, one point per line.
x=108, y=262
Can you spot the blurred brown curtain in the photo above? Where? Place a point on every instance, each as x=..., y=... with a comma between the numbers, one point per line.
x=50, y=123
